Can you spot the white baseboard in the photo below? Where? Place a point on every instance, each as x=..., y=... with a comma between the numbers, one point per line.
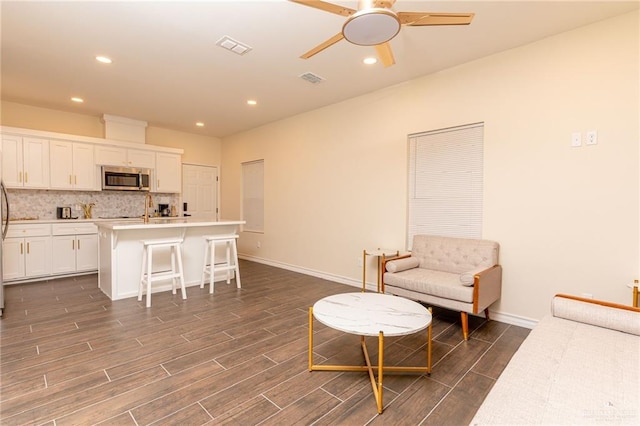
x=498, y=316
x=512, y=319
x=306, y=271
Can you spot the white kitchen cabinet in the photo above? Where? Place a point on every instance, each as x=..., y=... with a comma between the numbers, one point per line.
x=168, y=172
x=74, y=248
x=119, y=156
x=107, y=155
x=141, y=158
x=13, y=258
x=72, y=165
x=26, y=252
x=25, y=162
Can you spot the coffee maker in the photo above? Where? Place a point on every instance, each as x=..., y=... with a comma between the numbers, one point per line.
x=164, y=210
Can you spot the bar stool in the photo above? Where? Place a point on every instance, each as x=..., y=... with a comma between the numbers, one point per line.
x=210, y=267
x=147, y=277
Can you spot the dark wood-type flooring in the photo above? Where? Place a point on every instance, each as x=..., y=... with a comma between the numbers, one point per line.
x=69, y=355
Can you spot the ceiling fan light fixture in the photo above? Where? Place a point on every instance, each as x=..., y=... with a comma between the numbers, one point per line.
x=370, y=27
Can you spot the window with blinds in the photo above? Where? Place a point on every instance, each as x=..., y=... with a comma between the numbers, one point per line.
x=445, y=182
x=253, y=196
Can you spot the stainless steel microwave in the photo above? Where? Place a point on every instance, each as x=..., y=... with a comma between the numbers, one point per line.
x=126, y=179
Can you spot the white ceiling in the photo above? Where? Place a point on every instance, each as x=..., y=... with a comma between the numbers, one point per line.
x=168, y=71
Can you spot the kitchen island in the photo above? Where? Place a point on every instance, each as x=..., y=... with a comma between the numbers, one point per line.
x=120, y=251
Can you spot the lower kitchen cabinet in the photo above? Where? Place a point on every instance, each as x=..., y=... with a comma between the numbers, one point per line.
x=74, y=248
x=26, y=252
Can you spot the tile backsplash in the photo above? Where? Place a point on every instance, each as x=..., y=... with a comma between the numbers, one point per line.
x=41, y=204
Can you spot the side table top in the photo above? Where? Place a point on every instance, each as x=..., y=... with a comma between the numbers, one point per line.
x=366, y=314
x=381, y=251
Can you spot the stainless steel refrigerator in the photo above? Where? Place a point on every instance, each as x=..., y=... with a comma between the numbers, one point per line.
x=4, y=214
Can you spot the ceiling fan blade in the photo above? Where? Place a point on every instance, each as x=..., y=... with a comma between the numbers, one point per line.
x=417, y=19
x=319, y=48
x=327, y=7
x=385, y=54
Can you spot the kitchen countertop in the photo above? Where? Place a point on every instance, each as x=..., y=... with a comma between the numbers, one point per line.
x=162, y=223
x=21, y=221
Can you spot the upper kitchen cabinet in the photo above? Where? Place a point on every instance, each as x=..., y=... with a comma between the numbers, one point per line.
x=119, y=156
x=72, y=166
x=25, y=162
x=168, y=172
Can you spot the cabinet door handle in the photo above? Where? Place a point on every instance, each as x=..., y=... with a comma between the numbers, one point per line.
x=26, y=177
x=78, y=244
x=20, y=177
x=75, y=177
x=70, y=181
x=21, y=248
x=28, y=248
x=158, y=183
x=73, y=244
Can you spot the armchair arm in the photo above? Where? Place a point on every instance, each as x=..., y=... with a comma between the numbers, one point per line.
x=487, y=287
x=383, y=266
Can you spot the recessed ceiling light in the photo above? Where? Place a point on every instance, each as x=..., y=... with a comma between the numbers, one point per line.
x=103, y=59
x=78, y=100
x=252, y=102
x=370, y=60
x=200, y=124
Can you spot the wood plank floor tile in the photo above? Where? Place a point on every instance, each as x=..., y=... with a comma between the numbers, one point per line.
x=305, y=410
x=498, y=356
x=194, y=414
x=144, y=394
x=123, y=419
x=461, y=404
x=70, y=403
x=414, y=404
x=359, y=409
x=253, y=411
x=199, y=391
x=456, y=363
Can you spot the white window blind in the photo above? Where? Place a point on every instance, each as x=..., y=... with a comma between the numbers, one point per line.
x=445, y=182
x=253, y=196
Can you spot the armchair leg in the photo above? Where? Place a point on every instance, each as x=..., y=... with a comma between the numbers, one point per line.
x=486, y=314
x=465, y=325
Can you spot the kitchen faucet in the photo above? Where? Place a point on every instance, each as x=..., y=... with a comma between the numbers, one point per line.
x=148, y=202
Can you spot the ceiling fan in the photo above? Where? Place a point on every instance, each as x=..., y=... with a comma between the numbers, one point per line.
x=375, y=23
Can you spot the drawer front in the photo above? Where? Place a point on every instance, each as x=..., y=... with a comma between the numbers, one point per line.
x=74, y=228
x=35, y=230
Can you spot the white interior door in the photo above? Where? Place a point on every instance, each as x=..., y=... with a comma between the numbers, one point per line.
x=200, y=191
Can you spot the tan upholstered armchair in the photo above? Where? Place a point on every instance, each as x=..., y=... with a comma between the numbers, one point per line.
x=455, y=273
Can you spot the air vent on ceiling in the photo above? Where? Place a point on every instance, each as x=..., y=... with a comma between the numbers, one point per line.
x=311, y=78
x=233, y=45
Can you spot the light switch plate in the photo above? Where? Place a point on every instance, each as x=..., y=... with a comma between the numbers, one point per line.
x=592, y=137
x=576, y=139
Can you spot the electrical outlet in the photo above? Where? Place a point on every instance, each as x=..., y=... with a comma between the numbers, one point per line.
x=359, y=262
x=259, y=244
x=587, y=295
x=592, y=137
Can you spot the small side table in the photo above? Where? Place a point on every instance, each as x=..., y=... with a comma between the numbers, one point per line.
x=378, y=253
x=635, y=302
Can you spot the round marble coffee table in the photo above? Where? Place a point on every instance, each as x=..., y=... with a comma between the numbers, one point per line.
x=371, y=314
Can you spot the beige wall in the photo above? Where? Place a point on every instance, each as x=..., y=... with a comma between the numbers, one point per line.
x=566, y=218
x=197, y=149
